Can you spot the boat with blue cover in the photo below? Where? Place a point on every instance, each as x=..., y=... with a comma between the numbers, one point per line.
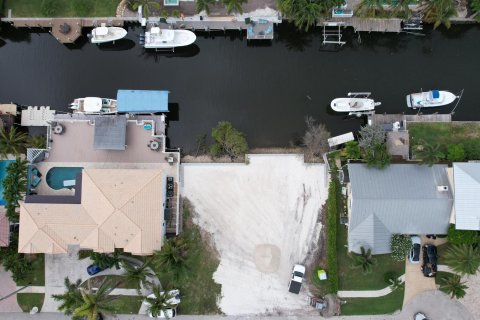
x=430, y=99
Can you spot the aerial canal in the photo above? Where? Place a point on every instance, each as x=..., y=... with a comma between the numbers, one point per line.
x=265, y=90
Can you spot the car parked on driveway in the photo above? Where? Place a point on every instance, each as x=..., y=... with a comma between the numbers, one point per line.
x=93, y=269
x=296, y=279
x=429, y=266
x=419, y=316
x=414, y=255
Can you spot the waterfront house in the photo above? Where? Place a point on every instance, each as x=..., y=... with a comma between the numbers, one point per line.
x=402, y=198
x=466, y=177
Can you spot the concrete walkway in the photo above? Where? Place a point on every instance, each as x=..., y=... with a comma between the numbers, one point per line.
x=7, y=286
x=59, y=290
x=368, y=293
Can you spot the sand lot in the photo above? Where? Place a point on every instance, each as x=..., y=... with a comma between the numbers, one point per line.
x=264, y=217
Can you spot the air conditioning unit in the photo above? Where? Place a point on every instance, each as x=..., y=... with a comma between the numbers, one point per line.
x=442, y=188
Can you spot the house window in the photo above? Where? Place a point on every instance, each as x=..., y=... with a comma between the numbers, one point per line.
x=170, y=2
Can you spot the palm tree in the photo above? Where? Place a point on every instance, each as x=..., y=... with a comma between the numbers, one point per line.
x=439, y=12
x=453, y=286
x=71, y=299
x=12, y=142
x=464, y=259
x=173, y=256
x=147, y=5
x=234, y=5
x=158, y=303
x=429, y=153
x=204, y=5
x=369, y=8
x=104, y=260
x=401, y=7
x=137, y=274
x=96, y=302
x=363, y=260
x=307, y=14
x=38, y=142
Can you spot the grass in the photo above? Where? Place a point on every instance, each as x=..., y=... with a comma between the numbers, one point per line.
x=127, y=304
x=37, y=276
x=198, y=289
x=33, y=8
x=27, y=301
x=371, y=306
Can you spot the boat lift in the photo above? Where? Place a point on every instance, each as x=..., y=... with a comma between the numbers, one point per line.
x=332, y=33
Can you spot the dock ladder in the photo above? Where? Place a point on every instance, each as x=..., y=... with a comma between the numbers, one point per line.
x=332, y=32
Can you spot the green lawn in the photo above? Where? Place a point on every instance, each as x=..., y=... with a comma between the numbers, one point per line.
x=65, y=8
x=27, y=301
x=369, y=306
x=37, y=276
x=199, y=291
x=444, y=134
x=127, y=304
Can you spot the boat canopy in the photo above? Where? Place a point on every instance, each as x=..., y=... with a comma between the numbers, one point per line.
x=142, y=101
x=101, y=31
x=92, y=104
x=435, y=94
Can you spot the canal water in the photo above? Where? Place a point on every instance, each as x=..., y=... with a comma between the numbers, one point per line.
x=264, y=89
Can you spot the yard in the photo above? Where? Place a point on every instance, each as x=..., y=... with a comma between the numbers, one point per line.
x=37, y=275
x=62, y=8
x=27, y=301
x=127, y=304
x=370, y=306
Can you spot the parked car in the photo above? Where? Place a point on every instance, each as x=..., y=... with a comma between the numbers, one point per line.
x=93, y=269
x=296, y=279
x=419, y=316
x=167, y=314
x=429, y=266
x=414, y=256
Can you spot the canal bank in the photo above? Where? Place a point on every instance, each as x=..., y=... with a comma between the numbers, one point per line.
x=264, y=89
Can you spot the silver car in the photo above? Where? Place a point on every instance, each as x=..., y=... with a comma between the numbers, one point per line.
x=414, y=255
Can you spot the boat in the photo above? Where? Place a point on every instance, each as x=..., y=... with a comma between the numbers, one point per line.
x=94, y=105
x=107, y=34
x=430, y=99
x=357, y=102
x=157, y=38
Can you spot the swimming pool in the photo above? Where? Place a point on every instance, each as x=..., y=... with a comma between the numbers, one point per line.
x=3, y=174
x=62, y=177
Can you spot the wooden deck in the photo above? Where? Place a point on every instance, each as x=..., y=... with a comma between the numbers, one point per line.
x=429, y=118
x=382, y=119
x=369, y=24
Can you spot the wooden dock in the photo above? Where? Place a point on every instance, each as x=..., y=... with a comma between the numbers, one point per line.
x=383, y=119
x=369, y=24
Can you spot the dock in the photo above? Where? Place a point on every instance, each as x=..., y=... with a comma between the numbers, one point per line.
x=368, y=24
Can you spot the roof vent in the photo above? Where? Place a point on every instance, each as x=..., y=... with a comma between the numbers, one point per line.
x=442, y=188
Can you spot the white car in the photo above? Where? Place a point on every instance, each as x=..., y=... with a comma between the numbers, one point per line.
x=296, y=279
x=168, y=314
x=414, y=255
x=420, y=316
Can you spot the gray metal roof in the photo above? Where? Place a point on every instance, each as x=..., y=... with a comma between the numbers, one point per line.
x=403, y=198
x=110, y=132
x=466, y=178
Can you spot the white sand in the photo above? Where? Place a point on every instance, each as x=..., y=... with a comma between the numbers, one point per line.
x=263, y=216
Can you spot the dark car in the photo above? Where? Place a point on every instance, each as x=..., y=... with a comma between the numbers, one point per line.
x=429, y=266
x=94, y=269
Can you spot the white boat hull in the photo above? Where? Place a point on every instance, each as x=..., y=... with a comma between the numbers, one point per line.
x=94, y=105
x=427, y=100
x=353, y=104
x=113, y=33
x=181, y=38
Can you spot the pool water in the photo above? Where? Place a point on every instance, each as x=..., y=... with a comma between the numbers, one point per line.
x=3, y=174
x=56, y=176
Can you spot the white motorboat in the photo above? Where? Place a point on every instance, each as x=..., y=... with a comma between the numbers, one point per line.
x=158, y=38
x=430, y=99
x=357, y=102
x=107, y=34
x=94, y=105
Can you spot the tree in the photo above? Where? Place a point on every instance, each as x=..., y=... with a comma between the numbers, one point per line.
x=316, y=137
x=304, y=13
x=453, y=286
x=439, y=12
x=12, y=141
x=95, y=303
x=14, y=187
x=234, y=5
x=370, y=136
x=369, y=8
x=37, y=142
x=160, y=303
x=462, y=236
x=204, y=5
x=228, y=141
x=463, y=259
x=429, y=154
x=104, y=260
x=364, y=260
x=173, y=256
x=377, y=156
x=71, y=299
x=401, y=8
x=147, y=6
x=455, y=152
x=400, y=245
x=352, y=150
x=137, y=274
x=475, y=5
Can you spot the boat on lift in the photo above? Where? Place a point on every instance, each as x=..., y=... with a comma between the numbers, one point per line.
x=157, y=38
x=430, y=99
x=356, y=103
x=94, y=105
x=105, y=34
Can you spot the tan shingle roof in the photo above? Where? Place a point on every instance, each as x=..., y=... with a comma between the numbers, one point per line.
x=120, y=208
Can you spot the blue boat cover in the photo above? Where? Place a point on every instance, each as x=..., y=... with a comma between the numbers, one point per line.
x=142, y=101
x=435, y=94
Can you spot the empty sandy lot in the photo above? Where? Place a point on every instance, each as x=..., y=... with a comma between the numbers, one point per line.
x=264, y=218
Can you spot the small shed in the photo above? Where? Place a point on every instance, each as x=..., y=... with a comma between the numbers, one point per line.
x=142, y=101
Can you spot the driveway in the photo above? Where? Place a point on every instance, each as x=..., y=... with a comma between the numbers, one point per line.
x=7, y=286
x=264, y=218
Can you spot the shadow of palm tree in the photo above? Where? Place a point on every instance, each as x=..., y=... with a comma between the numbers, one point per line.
x=294, y=39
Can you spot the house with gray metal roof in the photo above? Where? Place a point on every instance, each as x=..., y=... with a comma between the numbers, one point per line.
x=402, y=198
x=466, y=180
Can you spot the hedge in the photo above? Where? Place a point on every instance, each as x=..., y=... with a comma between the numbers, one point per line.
x=331, y=225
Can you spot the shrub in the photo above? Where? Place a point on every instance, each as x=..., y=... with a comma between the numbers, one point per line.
x=352, y=150
x=389, y=276
x=462, y=236
x=377, y=156
x=370, y=136
x=15, y=262
x=331, y=225
x=400, y=245
x=228, y=141
x=50, y=7
x=455, y=152
x=472, y=149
